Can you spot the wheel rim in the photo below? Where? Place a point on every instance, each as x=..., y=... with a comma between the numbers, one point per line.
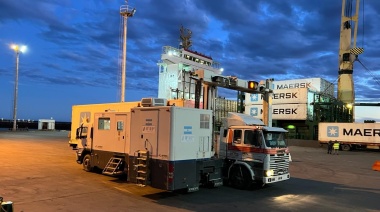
x=87, y=163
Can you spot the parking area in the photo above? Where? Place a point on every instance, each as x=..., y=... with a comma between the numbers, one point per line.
x=39, y=173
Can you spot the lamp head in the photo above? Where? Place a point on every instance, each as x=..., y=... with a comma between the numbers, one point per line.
x=19, y=48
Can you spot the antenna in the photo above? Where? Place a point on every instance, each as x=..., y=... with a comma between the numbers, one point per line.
x=185, y=36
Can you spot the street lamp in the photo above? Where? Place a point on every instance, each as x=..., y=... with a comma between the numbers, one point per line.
x=125, y=11
x=18, y=49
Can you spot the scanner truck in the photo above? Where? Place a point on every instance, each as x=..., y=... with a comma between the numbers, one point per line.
x=174, y=148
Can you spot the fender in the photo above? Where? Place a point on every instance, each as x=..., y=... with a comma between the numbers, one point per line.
x=242, y=164
x=81, y=152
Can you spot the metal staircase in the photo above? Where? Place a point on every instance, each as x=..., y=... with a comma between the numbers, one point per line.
x=113, y=166
x=142, y=167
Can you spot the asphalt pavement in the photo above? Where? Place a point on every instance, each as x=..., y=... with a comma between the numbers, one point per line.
x=39, y=173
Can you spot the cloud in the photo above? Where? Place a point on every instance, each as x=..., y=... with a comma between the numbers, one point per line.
x=78, y=43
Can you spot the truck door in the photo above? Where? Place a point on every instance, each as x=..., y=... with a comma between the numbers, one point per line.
x=235, y=144
x=121, y=128
x=149, y=131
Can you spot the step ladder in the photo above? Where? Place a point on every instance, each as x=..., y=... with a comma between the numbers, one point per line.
x=112, y=167
x=142, y=167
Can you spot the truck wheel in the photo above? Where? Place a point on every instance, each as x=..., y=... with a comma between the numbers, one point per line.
x=346, y=147
x=240, y=178
x=87, y=163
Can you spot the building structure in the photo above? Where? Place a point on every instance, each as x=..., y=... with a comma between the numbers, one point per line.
x=46, y=124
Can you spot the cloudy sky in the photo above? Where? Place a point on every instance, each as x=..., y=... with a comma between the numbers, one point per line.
x=74, y=47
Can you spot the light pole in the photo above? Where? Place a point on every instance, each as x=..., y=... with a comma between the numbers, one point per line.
x=18, y=49
x=125, y=12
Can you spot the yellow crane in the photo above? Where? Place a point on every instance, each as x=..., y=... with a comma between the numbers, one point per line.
x=348, y=52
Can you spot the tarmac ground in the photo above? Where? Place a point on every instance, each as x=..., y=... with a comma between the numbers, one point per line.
x=39, y=173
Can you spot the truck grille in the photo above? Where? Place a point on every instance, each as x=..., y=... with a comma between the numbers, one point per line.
x=279, y=164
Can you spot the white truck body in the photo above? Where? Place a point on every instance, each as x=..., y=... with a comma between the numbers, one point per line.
x=172, y=133
x=178, y=141
x=84, y=114
x=350, y=135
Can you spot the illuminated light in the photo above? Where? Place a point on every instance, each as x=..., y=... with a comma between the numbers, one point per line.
x=222, y=69
x=291, y=127
x=23, y=49
x=269, y=173
x=170, y=53
x=349, y=106
x=18, y=48
x=252, y=85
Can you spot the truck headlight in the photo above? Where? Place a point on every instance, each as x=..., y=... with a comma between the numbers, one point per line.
x=269, y=173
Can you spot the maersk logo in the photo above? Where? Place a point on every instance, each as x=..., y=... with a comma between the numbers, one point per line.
x=332, y=131
x=254, y=111
x=254, y=97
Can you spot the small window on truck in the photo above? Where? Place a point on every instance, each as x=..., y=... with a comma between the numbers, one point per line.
x=237, y=136
x=205, y=121
x=104, y=124
x=120, y=125
x=81, y=132
x=251, y=137
x=84, y=132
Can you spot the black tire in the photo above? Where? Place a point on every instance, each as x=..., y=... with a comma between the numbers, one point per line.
x=240, y=178
x=87, y=163
x=346, y=147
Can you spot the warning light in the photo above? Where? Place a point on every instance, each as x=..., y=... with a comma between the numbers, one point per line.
x=253, y=85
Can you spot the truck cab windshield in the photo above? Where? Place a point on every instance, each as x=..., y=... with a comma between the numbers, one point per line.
x=275, y=139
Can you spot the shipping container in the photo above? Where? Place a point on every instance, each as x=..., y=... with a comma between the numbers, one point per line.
x=282, y=96
x=281, y=112
x=314, y=84
x=350, y=135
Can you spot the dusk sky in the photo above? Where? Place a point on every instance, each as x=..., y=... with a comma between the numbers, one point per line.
x=74, y=47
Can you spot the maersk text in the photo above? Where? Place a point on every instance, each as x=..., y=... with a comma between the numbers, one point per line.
x=285, y=95
x=295, y=85
x=361, y=132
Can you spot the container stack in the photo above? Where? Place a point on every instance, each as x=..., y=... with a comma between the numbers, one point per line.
x=291, y=99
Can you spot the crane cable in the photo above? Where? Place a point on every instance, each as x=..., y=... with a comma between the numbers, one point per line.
x=349, y=9
x=357, y=59
x=324, y=92
x=370, y=72
x=363, y=23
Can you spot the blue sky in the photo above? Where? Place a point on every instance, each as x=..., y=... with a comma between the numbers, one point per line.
x=73, y=47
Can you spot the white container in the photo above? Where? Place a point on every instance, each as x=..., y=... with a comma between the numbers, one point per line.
x=354, y=133
x=314, y=84
x=280, y=112
x=282, y=96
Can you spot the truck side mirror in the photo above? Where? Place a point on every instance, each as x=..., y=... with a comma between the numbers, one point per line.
x=92, y=133
x=77, y=135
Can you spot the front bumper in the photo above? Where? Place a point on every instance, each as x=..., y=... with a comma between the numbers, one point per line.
x=274, y=179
